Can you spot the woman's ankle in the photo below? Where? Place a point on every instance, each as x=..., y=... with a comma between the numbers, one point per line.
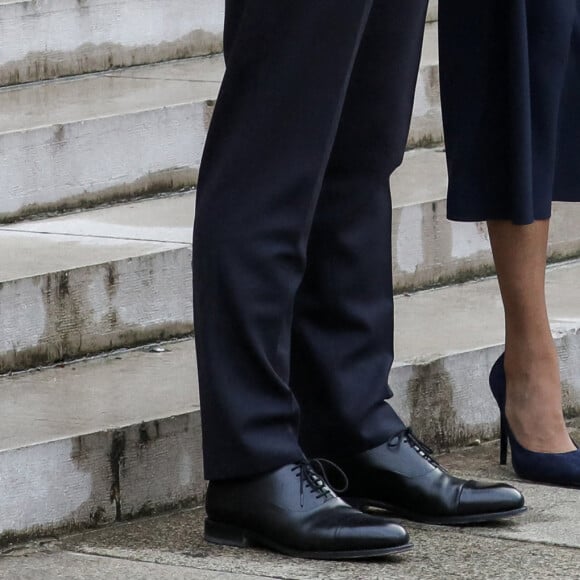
x=527, y=362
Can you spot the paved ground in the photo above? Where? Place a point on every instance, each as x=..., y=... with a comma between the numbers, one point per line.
x=545, y=543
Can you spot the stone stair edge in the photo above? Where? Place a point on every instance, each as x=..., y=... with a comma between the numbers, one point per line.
x=165, y=163
x=88, y=310
x=115, y=262
x=416, y=159
x=159, y=162
x=114, y=39
x=116, y=455
x=91, y=308
x=433, y=11
x=471, y=364
x=106, y=476
x=109, y=469
x=96, y=36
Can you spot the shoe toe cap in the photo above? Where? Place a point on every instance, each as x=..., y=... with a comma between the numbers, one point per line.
x=392, y=534
x=373, y=532
x=480, y=498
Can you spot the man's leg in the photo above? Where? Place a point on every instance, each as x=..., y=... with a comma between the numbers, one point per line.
x=342, y=334
x=342, y=343
x=288, y=67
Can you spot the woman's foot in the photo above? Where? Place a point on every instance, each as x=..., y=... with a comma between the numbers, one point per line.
x=534, y=399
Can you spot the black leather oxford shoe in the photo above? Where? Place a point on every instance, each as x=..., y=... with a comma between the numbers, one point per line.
x=294, y=511
x=402, y=478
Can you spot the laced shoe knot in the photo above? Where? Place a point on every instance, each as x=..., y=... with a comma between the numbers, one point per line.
x=313, y=477
x=407, y=436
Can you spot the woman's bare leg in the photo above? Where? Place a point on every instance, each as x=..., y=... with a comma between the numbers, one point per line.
x=534, y=394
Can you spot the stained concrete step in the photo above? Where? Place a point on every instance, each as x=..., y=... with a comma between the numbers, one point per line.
x=95, y=280
x=110, y=438
x=430, y=250
x=69, y=144
x=542, y=544
x=45, y=39
x=427, y=125
x=106, y=439
x=433, y=11
x=67, y=295
x=76, y=143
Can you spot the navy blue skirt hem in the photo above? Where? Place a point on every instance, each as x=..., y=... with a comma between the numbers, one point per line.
x=510, y=88
x=470, y=218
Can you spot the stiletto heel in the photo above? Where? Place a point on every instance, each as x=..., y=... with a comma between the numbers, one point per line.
x=554, y=468
x=503, y=450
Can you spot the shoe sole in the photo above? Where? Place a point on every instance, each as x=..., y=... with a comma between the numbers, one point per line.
x=566, y=485
x=365, y=505
x=229, y=535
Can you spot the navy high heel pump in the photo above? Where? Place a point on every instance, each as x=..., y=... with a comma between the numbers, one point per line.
x=561, y=469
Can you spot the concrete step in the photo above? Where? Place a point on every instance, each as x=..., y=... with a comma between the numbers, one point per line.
x=100, y=138
x=447, y=340
x=430, y=250
x=95, y=280
x=45, y=39
x=70, y=144
x=107, y=439
x=121, y=434
x=542, y=544
x=427, y=125
x=433, y=11
x=66, y=295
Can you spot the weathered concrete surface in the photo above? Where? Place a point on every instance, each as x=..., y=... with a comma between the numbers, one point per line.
x=94, y=139
x=44, y=39
x=427, y=125
x=96, y=35
x=554, y=513
x=67, y=296
x=126, y=387
x=447, y=340
x=428, y=249
x=464, y=317
x=109, y=95
x=438, y=555
x=509, y=550
x=99, y=440
x=72, y=566
x=89, y=140
x=433, y=12
x=167, y=220
x=101, y=477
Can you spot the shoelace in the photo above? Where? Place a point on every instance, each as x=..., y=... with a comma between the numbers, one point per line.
x=418, y=445
x=314, y=477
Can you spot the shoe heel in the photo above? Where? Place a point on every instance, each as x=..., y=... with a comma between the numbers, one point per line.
x=225, y=534
x=503, y=449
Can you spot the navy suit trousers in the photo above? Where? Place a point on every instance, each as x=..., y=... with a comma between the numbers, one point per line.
x=292, y=274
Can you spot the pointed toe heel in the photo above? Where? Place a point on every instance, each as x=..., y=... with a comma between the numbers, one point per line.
x=503, y=442
x=562, y=469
